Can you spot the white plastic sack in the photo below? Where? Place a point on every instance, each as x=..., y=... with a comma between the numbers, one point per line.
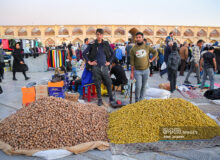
x=153, y=93
x=163, y=66
x=52, y=154
x=215, y=101
x=213, y=117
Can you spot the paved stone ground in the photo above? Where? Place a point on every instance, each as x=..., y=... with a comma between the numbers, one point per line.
x=11, y=100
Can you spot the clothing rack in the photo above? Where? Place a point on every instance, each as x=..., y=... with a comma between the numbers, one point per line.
x=56, y=58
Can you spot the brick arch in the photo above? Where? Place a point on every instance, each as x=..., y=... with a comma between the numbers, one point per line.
x=77, y=40
x=189, y=41
x=77, y=31
x=22, y=32
x=214, y=33
x=63, y=31
x=107, y=31
x=35, y=32
x=177, y=41
x=119, y=41
x=161, y=32
x=49, y=32
x=188, y=33
x=149, y=41
x=49, y=42
x=212, y=41
x=120, y=31
x=9, y=32
x=90, y=31
x=176, y=32
x=148, y=32
x=202, y=33
x=160, y=40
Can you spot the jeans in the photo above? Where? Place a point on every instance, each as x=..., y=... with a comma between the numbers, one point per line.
x=172, y=75
x=192, y=68
x=208, y=72
x=99, y=74
x=141, y=77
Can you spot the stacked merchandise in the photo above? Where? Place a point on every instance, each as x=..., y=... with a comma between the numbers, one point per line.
x=56, y=89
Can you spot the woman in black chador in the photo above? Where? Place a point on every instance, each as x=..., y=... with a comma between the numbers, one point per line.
x=18, y=63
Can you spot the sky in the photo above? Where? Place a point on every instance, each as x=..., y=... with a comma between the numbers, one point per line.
x=134, y=12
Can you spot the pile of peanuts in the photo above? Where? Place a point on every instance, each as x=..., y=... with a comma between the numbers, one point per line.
x=141, y=122
x=54, y=123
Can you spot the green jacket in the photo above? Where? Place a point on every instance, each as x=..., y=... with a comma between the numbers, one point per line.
x=139, y=56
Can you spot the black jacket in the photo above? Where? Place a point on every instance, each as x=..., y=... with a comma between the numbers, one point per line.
x=18, y=57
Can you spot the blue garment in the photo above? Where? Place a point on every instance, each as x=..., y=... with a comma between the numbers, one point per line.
x=168, y=39
x=161, y=58
x=118, y=54
x=86, y=77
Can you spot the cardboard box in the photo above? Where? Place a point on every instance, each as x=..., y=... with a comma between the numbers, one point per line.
x=38, y=96
x=41, y=89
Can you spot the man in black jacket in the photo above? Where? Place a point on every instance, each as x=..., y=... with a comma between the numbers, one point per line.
x=98, y=56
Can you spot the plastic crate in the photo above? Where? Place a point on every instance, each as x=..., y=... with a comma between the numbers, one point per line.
x=56, y=89
x=58, y=94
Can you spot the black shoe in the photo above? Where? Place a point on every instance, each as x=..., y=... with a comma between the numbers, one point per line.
x=187, y=82
x=14, y=79
x=199, y=82
x=111, y=100
x=100, y=102
x=27, y=78
x=0, y=80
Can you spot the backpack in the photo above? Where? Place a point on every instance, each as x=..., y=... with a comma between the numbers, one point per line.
x=173, y=60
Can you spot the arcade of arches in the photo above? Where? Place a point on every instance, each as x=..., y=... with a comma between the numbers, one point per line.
x=55, y=34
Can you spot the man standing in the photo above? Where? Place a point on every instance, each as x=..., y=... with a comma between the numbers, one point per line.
x=139, y=58
x=208, y=59
x=85, y=45
x=195, y=62
x=127, y=52
x=184, y=56
x=169, y=38
x=99, y=57
x=167, y=51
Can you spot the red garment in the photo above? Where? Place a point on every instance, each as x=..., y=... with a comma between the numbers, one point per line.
x=5, y=44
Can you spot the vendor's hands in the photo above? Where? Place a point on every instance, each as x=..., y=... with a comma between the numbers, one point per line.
x=21, y=62
x=107, y=63
x=93, y=63
x=150, y=60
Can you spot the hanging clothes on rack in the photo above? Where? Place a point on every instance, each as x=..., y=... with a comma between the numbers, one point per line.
x=56, y=58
